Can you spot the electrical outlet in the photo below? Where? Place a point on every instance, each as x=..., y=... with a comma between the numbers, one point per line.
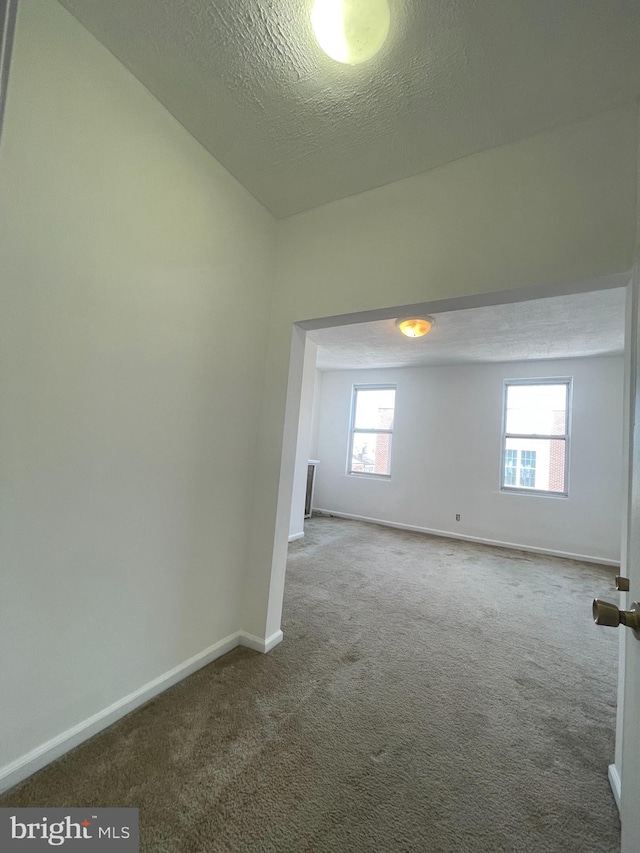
x=457, y=516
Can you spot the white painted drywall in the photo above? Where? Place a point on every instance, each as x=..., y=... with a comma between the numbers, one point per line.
x=315, y=414
x=136, y=276
x=303, y=446
x=446, y=456
x=557, y=207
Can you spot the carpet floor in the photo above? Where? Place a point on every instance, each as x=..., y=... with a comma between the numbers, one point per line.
x=429, y=695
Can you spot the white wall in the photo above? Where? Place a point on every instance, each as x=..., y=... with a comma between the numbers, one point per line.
x=446, y=456
x=555, y=208
x=315, y=413
x=130, y=402
x=303, y=446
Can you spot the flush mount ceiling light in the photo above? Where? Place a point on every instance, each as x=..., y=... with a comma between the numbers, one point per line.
x=350, y=31
x=415, y=327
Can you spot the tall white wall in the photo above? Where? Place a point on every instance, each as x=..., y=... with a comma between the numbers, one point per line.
x=130, y=401
x=315, y=414
x=555, y=208
x=447, y=449
x=303, y=445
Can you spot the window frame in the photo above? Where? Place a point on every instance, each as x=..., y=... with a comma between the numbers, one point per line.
x=566, y=436
x=383, y=386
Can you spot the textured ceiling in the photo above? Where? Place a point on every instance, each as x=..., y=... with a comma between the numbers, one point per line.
x=247, y=79
x=583, y=324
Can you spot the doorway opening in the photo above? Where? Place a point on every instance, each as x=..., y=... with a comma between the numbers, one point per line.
x=527, y=322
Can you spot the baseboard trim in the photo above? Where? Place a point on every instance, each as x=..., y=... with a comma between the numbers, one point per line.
x=495, y=543
x=258, y=645
x=295, y=536
x=616, y=786
x=16, y=771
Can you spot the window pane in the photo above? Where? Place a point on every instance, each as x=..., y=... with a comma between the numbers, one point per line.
x=528, y=468
x=371, y=453
x=539, y=464
x=537, y=409
x=374, y=408
x=510, y=464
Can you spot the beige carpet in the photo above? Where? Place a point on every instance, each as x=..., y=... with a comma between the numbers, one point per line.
x=430, y=696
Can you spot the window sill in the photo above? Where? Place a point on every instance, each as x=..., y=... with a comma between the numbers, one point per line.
x=361, y=475
x=538, y=493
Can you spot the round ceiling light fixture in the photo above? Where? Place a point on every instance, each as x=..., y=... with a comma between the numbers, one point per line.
x=350, y=31
x=415, y=327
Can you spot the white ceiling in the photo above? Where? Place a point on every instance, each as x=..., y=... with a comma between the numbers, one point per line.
x=247, y=79
x=575, y=326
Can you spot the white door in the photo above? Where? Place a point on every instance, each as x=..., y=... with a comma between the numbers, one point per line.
x=630, y=799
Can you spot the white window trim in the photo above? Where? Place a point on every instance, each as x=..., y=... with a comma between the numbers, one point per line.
x=566, y=437
x=371, y=475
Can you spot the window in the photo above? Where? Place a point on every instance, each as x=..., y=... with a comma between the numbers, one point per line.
x=371, y=430
x=535, y=438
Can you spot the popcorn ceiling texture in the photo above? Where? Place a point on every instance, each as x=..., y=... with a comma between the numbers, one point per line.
x=574, y=326
x=248, y=80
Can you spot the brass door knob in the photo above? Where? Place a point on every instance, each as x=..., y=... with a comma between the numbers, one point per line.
x=605, y=613
x=622, y=584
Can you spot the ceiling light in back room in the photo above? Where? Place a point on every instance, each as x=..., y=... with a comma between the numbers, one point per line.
x=350, y=31
x=415, y=327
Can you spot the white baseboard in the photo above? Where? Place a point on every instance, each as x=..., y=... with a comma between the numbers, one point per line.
x=583, y=558
x=295, y=536
x=18, y=770
x=258, y=645
x=614, y=781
